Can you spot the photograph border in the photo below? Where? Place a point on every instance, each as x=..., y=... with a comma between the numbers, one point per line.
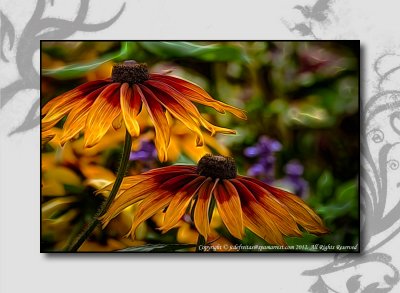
x=189, y=253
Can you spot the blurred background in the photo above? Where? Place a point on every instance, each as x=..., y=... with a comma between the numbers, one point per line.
x=302, y=133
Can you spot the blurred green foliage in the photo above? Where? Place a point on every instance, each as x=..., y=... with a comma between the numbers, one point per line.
x=303, y=94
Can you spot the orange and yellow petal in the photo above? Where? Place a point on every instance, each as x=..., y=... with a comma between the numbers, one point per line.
x=130, y=105
x=110, y=140
x=117, y=122
x=275, y=209
x=228, y=204
x=159, y=119
x=201, y=217
x=57, y=108
x=101, y=115
x=196, y=94
x=189, y=108
x=137, y=192
x=180, y=202
x=181, y=108
x=75, y=122
x=77, y=117
x=158, y=200
x=47, y=136
x=256, y=221
x=136, y=188
x=215, y=129
x=297, y=208
x=56, y=115
x=148, y=207
x=186, y=169
x=256, y=218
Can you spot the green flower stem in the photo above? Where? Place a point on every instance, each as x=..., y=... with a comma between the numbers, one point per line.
x=201, y=240
x=76, y=231
x=120, y=175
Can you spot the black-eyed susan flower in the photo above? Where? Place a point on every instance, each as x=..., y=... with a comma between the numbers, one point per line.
x=96, y=105
x=269, y=212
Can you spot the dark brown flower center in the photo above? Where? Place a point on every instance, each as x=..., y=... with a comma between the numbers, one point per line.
x=130, y=71
x=217, y=167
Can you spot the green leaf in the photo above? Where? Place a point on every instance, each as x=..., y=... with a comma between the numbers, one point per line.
x=325, y=184
x=343, y=203
x=157, y=248
x=210, y=53
x=334, y=211
x=347, y=192
x=80, y=69
x=306, y=239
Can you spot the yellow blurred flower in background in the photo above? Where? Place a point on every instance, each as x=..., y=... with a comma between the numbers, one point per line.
x=70, y=174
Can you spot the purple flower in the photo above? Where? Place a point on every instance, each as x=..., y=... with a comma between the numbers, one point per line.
x=264, y=147
x=264, y=151
x=269, y=145
x=187, y=218
x=252, y=151
x=294, y=171
x=147, y=152
x=294, y=168
x=256, y=170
